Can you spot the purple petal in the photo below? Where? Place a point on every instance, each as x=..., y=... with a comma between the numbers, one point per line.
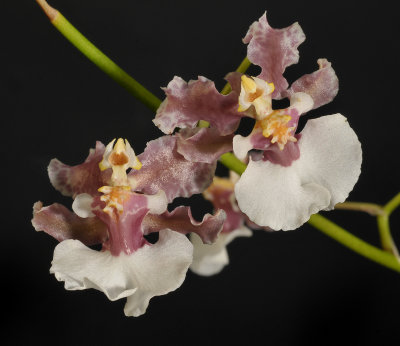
x=273, y=50
x=83, y=178
x=203, y=144
x=61, y=223
x=235, y=80
x=187, y=103
x=285, y=157
x=322, y=85
x=125, y=229
x=181, y=220
x=165, y=169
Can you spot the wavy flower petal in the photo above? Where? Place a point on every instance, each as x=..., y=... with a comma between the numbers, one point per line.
x=325, y=173
x=273, y=50
x=203, y=144
x=322, y=85
x=86, y=177
x=211, y=259
x=165, y=169
x=187, y=103
x=152, y=270
x=59, y=222
x=181, y=220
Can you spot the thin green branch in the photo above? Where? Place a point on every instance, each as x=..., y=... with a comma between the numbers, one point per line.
x=387, y=241
x=353, y=243
x=392, y=204
x=98, y=58
x=370, y=208
x=233, y=163
x=385, y=236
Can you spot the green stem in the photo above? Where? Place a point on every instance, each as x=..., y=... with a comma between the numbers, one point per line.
x=98, y=58
x=385, y=235
x=392, y=204
x=353, y=243
x=233, y=163
x=384, y=227
x=370, y=208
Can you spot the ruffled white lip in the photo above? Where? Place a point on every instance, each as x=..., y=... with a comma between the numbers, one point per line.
x=152, y=270
x=210, y=259
x=327, y=170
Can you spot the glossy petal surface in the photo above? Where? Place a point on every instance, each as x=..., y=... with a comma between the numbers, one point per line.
x=165, y=169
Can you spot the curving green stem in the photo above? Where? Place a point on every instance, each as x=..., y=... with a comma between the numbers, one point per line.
x=384, y=228
x=98, y=58
x=352, y=242
x=229, y=160
x=370, y=208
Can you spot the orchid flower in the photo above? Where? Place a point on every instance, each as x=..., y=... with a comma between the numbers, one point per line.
x=210, y=259
x=117, y=210
x=297, y=175
x=290, y=175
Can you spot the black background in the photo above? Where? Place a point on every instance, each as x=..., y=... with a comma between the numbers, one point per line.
x=281, y=288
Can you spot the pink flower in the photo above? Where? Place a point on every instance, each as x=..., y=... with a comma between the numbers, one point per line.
x=290, y=175
x=117, y=210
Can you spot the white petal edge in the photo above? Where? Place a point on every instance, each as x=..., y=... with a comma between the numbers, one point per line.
x=302, y=102
x=157, y=203
x=152, y=270
x=210, y=259
x=82, y=205
x=241, y=146
x=327, y=170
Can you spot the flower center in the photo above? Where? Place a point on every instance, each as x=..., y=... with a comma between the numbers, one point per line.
x=275, y=125
x=114, y=196
x=256, y=92
x=119, y=157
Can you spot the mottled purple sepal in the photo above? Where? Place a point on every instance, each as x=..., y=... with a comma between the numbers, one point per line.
x=165, y=169
x=322, y=85
x=61, y=223
x=181, y=220
x=187, y=103
x=83, y=178
x=203, y=144
x=273, y=50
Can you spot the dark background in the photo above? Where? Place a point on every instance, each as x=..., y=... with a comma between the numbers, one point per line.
x=281, y=288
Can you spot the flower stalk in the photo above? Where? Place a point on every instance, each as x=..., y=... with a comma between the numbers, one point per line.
x=384, y=227
x=96, y=56
x=370, y=208
x=353, y=243
x=324, y=225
